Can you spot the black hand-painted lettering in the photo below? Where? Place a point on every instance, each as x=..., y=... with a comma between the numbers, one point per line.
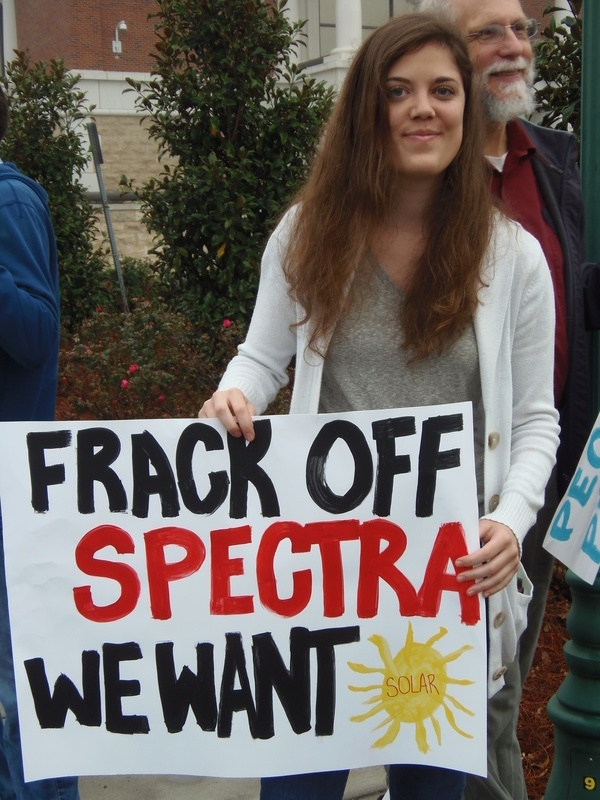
x=432, y=459
x=244, y=457
x=292, y=685
x=51, y=707
x=385, y=433
x=219, y=481
x=324, y=642
x=189, y=690
x=146, y=451
x=233, y=699
x=116, y=688
x=316, y=462
x=41, y=475
x=97, y=449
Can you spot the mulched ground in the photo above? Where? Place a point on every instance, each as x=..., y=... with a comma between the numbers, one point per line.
x=536, y=731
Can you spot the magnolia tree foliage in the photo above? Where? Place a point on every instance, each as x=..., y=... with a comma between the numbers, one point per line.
x=558, y=59
x=46, y=112
x=239, y=125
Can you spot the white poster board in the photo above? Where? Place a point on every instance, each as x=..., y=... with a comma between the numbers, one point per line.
x=184, y=603
x=574, y=535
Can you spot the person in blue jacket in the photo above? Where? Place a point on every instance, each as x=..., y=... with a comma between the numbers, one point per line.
x=29, y=340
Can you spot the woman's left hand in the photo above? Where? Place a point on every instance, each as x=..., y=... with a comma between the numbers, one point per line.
x=494, y=564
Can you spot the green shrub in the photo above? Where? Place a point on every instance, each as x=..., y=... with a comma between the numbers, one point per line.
x=558, y=59
x=241, y=125
x=151, y=362
x=140, y=283
x=43, y=141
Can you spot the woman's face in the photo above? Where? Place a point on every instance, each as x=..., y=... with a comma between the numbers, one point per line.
x=426, y=103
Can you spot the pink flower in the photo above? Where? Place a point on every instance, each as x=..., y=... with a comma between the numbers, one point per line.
x=227, y=323
x=133, y=368
x=124, y=384
x=161, y=398
x=99, y=309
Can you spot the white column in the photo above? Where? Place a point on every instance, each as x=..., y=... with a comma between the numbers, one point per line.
x=563, y=11
x=292, y=12
x=310, y=12
x=10, y=29
x=348, y=27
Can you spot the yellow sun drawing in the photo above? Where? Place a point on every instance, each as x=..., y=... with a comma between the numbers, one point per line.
x=413, y=688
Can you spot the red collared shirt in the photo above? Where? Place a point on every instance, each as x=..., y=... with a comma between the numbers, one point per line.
x=517, y=187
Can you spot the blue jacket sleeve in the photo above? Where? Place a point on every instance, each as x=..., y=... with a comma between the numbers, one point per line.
x=29, y=305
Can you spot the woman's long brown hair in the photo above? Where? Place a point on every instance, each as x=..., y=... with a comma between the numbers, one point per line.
x=350, y=193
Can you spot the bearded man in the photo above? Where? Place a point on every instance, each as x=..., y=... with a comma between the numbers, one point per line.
x=534, y=172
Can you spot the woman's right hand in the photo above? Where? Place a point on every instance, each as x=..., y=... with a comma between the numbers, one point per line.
x=233, y=409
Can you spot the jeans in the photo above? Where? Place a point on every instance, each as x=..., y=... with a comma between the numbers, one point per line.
x=406, y=782
x=12, y=785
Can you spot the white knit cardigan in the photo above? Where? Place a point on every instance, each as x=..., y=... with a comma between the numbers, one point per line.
x=514, y=329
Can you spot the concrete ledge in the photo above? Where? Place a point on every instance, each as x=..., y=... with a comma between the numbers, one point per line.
x=363, y=784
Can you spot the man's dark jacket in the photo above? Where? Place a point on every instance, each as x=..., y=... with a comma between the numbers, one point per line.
x=555, y=165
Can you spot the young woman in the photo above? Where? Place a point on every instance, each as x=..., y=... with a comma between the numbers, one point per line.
x=394, y=282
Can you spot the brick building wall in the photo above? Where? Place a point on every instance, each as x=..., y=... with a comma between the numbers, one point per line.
x=81, y=32
x=535, y=9
x=120, y=140
x=131, y=236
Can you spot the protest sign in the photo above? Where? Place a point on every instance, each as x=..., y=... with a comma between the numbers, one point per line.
x=573, y=536
x=184, y=602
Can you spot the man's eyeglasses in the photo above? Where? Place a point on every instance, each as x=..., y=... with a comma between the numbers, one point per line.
x=494, y=33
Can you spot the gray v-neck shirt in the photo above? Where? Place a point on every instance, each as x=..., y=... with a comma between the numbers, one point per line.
x=366, y=366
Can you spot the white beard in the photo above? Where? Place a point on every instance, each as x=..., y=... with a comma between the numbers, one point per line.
x=517, y=99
